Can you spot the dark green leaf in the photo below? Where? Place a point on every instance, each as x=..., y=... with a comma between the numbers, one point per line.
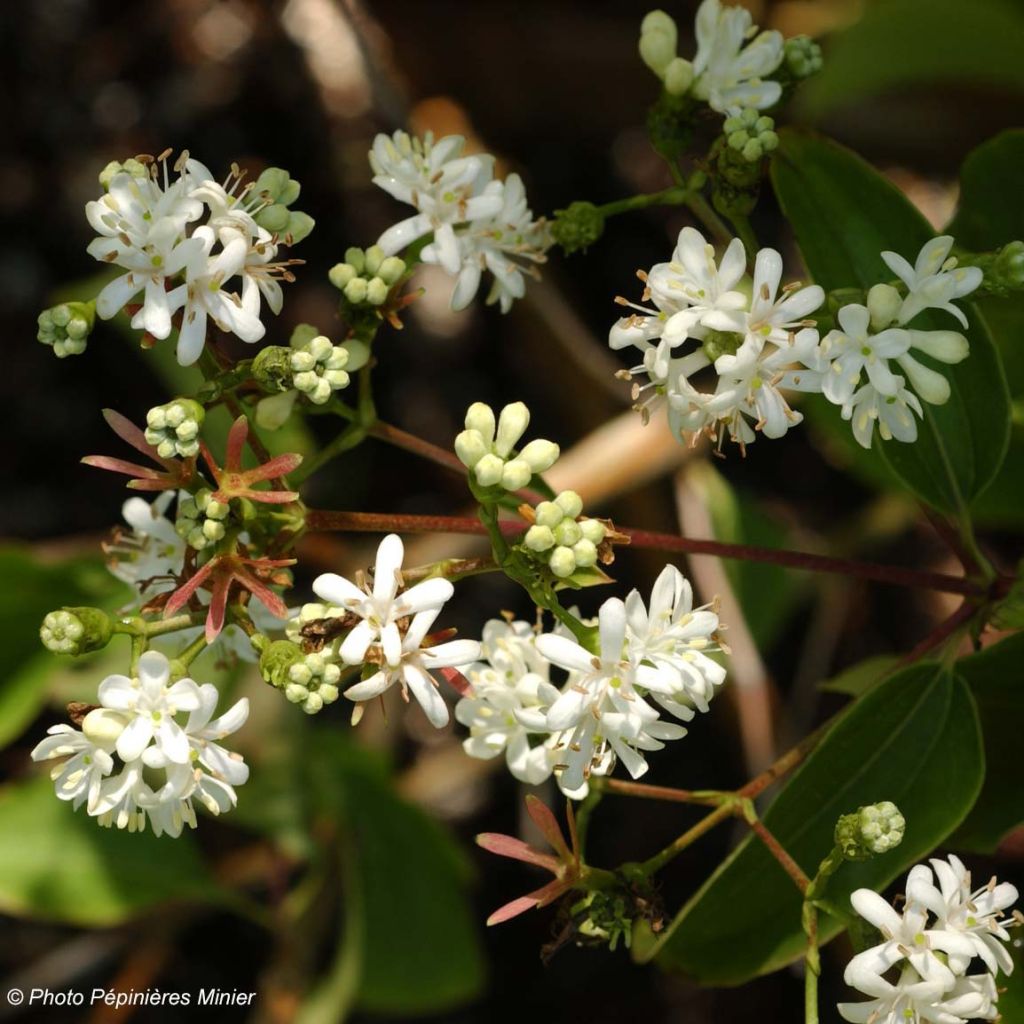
x=913, y=740
x=975, y=44
x=997, y=683
x=856, y=680
x=59, y=865
x=845, y=214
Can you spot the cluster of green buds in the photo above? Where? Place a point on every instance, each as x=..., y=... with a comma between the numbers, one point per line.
x=877, y=828
x=565, y=541
x=201, y=519
x=604, y=918
x=76, y=631
x=131, y=166
x=173, y=429
x=313, y=682
x=578, y=226
x=802, y=57
x=66, y=327
x=659, y=39
x=1003, y=268
x=318, y=369
x=278, y=190
x=751, y=134
x=486, y=448
x=367, y=276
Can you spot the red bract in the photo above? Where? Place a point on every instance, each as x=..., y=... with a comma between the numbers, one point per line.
x=565, y=865
x=176, y=472
x=218, y=575
x=234, y=482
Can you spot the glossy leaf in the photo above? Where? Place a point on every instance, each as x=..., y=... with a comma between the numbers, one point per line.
x=913, y=740
x=845, y=214
x=60, y=865
x=858, y=679
x=994, y=676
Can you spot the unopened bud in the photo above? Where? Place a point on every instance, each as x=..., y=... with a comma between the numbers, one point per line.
x=883, y=304
x=562, y=562
x=870, y=830
x=277, y=660
x=578, y=226
x=75, y=631
x=678, y=77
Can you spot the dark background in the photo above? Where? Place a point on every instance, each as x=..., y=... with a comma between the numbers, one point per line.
x=556, y=90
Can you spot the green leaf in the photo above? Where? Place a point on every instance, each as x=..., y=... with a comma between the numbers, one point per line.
x=33, y=588
x=737, y=518
x=913, y=740
x=416, y=943
x=59, y=865
x=845, y=214
x=975, y=44
x=994, y=676
x=858, y=679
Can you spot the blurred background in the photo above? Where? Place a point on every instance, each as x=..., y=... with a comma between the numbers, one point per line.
x=557, y=91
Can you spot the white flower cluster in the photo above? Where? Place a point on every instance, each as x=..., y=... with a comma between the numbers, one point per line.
x=136, y=736
x=147, y=223
x=485, y=447
x=946, y=930
x=385, y=628
x=761, y=343
x=609, y=706
x=478, y=223
x=733, y=61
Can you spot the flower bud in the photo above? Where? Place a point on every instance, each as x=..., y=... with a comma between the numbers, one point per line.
x=883, y=304
x=173, y=429
x=470, y=448
x=355, y=290
x=678, y=77
x=562, y=562
x=570, y=503
x=567, y=532
x=578, y=226
x=277, y=660
x=480, y=417
x=870, y=830
x=540, y=455
x=585, y=553
x=66, y=327
x=300, y=225
x=802, y=56
x=273, y=218
x=76, y=631
x=104, y=727
x=659, y=21
x=373, y=257
x=488, y=470
x=356, y=258
x=391, y=270
x=549, y=514
x=516, y=474
x=340, y=274
x=592, y=530
x=376, y=292
x=539, y=538
x=512, y=424
x=272, y=368
x=658, y=49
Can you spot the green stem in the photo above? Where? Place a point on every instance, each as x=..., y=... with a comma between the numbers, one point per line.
x=138, y=649
x=746, y=234
x=688, y=838
x=172, y=625
x=677, y=195
x=706, y=214
x=190, y=653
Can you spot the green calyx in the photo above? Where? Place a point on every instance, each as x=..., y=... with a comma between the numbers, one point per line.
x=75, y=631
x=276, y=659
x=870, y=830
x=66, y=327
x=721, y=343
x=578, y=226
x=272, y=368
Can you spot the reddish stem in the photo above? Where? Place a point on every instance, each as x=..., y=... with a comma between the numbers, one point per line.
x=779, y=852
x=319, y=519
x=942, y=631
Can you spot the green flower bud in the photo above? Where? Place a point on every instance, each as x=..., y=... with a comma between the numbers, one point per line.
x=272, y=368
x=592, y=530
x=355, y=290
x=276, y=661
x=585, y=553
x=376, y=292
x=802, y=57
x=549, y=514
x=173, y=429
x=303, y=334
x=131, y=166
x=720, y=343
x=488, y=470
x=562, y=562
x=66, y=327
x=318, y=369
x=373, y=257
x=659, y=21
x=274, y=218
x=391, y=270
x=883, y=304
x=578, y=226
x=539, y=538
x=356, y=258
x=76, y=631
x=567, y=532
x=300, y=226
x=570, y=503
x=870, y=830
x=273, y=182
x=340, y=274
x=658, y=49
x=678, y=77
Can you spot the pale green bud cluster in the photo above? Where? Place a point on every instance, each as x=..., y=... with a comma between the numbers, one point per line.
x=279, y=190
x=173, y=429
x=802, y=56
x=877, y=828
x=76, y=631
x=486, y=448
x=276, y=658
x=566, y=542
x=131, y=166
x=201, y=519
x=884, y=303
x=659, y=39
x=751, y=134
x=318, y=369
x=66, y=327
x=578, y=226
x=313, y=682
x=367, y=276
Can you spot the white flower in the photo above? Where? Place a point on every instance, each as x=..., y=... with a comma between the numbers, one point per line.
x=151, y=555
x=669, y=644
x=486, y=448
x=88, y=762
x=412, y=668
x=149, y=703
x=894, y=414
x=906, y=937
x=976, y=914
x=934, y=280
x=600, y=712
x=444, y=186
x=141, y=222
x=912, y=1001
x=509, y=244
x=380, y=607
x=512, y=691
x=855, y=351
x=728, y=75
